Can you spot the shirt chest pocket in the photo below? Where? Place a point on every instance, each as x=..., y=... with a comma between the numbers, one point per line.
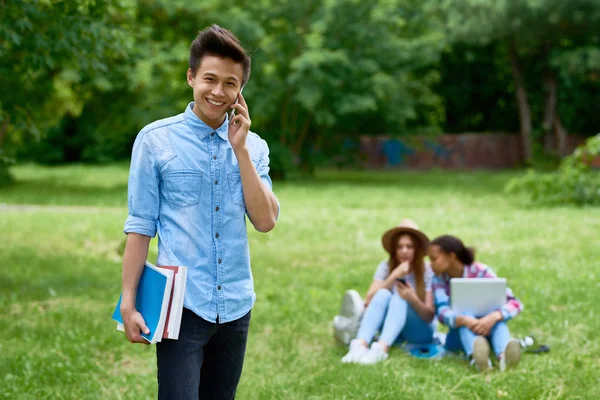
x=183, y=188
x=235, y=188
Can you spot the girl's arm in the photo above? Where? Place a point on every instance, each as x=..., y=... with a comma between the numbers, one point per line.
x=513, y=306
x=385, y=280
x=425, y=309
x=442, y=303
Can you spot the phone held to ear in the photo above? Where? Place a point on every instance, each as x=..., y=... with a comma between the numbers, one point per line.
x=237, y=100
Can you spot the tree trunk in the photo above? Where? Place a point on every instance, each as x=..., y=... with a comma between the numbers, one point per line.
x=284, y=120
x=297, y=148
x=550, y=89
x=4, y=129
x=553, y=127
x=522, y=103
x=550, y=109
x=561, y=135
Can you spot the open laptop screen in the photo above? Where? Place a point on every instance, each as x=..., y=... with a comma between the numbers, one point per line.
x=477, y=296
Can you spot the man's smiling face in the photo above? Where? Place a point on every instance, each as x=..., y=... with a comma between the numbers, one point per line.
x=216, y=86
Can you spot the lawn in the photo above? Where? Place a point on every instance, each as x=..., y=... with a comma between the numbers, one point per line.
x=61, y=278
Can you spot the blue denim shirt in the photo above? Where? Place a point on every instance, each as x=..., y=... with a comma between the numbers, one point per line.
x=185, y=185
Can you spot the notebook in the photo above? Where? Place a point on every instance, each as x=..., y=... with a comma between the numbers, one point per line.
x=152, y=300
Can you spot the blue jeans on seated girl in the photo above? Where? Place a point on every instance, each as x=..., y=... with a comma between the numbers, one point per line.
x=395, y=318
x=463, y=338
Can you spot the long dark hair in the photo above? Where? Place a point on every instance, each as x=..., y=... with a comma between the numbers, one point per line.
x=452, y=244
x=417, y=264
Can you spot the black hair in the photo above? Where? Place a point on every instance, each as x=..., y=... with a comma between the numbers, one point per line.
x=220, y=42
x=452, y=244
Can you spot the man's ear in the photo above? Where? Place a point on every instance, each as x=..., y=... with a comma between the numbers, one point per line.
x=190, y=77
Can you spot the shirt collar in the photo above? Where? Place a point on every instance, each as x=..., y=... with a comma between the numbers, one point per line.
x=200, y=127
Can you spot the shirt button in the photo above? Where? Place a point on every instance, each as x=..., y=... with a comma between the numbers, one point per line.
x=220, y=261
x=212, y=134
x=217, y=208
x=216, y=182
x=219, y=287
x=217, y=235
x=214, y=157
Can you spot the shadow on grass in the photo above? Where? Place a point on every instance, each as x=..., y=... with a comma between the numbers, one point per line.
x=54, y=191
x=39, y=277
x=90, y=185
x=478, y=181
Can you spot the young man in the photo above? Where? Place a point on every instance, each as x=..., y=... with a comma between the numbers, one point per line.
x=193, y=179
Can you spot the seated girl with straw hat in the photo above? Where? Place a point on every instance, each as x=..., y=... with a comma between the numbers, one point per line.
x=399, y=302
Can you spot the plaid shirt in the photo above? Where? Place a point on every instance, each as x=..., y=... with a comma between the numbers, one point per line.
x=441, y=294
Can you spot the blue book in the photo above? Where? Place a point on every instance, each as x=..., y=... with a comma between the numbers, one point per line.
x=152, y=300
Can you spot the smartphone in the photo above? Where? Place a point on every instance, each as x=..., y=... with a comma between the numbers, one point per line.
x=237, y=100
x=401, y=280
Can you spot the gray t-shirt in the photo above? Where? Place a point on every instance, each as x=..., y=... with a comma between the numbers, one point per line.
x=383, y=271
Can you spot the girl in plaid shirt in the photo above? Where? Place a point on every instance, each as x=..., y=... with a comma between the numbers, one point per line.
x=451, y=259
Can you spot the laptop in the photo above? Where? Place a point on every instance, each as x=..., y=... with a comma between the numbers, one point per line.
x=477, y=296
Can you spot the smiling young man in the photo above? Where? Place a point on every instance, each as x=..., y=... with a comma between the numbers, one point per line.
x=193, y=179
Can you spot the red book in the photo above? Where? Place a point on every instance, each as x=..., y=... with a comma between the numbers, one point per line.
x=175, y=309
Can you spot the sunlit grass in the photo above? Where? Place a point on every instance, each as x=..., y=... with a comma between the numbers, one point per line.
x=61, y=277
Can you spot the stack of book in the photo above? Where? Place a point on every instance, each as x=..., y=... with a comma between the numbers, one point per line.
x=159, y=298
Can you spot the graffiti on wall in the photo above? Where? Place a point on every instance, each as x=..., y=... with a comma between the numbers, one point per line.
x=466, y=151
x=463, y=151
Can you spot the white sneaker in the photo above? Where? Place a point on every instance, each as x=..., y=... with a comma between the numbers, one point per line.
x=345, y=325
x=512, y=355
x=489, y=364
x=481, y=354
x=374, y=355
x=357, y=351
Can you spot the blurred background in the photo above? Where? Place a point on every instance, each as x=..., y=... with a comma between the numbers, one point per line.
x=393, y=83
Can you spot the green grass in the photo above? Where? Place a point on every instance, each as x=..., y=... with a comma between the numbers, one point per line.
x=61, y=278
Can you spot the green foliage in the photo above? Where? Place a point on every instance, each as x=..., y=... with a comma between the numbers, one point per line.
x=54, y=55
x=315, y=71
x=282, y=161
x=84, y=77
x=577, y=181
x=548, y=43
x=477, y=87
x=530, y=22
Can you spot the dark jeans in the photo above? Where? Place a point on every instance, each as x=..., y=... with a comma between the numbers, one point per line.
x=205, y=362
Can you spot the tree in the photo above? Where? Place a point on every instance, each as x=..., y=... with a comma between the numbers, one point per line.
x=53, y=54
x=330, y=66
x=534, y=33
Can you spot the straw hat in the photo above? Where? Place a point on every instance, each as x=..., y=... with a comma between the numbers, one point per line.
x=406, y=226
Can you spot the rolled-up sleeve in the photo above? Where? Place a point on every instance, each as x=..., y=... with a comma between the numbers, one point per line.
x=513, y=306
x=143, y=189
x=263, y=171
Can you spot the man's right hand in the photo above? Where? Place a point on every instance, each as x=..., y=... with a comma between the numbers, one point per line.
x=134, y=326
